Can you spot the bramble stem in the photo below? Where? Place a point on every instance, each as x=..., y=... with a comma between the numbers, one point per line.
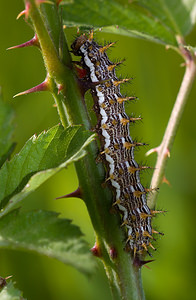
x=164, y=149
x=124, y=278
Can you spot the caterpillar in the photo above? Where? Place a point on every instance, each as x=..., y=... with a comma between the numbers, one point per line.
x=117, y=146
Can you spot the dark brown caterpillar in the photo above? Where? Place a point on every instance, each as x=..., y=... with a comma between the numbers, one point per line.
x=117, y=146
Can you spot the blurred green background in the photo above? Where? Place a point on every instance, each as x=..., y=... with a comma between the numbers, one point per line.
x=157, y=76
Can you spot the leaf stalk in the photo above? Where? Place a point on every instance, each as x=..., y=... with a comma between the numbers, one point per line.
x=164, y=149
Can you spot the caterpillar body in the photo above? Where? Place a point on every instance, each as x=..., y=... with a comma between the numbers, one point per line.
x=117, y=146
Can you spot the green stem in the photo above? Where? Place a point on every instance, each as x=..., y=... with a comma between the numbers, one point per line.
x=164, y=149
x=63, y=115
x=124, y=278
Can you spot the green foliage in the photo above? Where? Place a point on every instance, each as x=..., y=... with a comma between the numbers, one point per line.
x=40, y=158
x=43, y=156
x=158, y=21
x=9, y=292
x=6, y=131
x=45, y=233
x=178, y=16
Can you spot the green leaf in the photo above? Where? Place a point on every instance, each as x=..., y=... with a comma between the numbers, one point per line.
x=158, y=21
x=45, y=233
x=6, y=131
x=9, y=292
x=178, y=15
x=40, y=158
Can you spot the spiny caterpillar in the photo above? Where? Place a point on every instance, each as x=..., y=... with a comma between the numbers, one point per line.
x=117, y=147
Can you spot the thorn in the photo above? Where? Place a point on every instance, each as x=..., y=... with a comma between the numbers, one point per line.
x=58, y=2
x=165, y=180
x=167, y=153
x=33, y=42
x=111, y=67
x=153, y=150
x=121, y=100
x=167, y=47
x=113, y=253
x=157, y=150
x=24, y=12
x=104, y=48
x=96, y=251
x=60, y=88
x=44, y=86
x=182, y=65
x=139, y=263
x=8, y=277
x=76, y=194
x=3, y=282
x=117, y=82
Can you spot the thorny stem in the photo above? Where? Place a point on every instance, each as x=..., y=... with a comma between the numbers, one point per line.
x=163, y=150
x=124, y=278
